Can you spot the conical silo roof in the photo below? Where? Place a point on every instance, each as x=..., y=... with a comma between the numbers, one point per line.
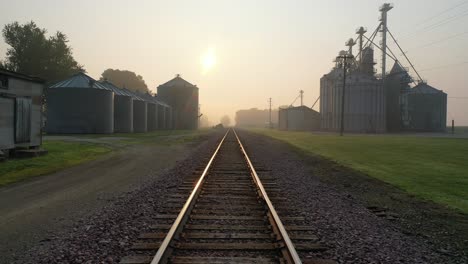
x=79, y=80
x=397, y=68
x=178, y=82
x=134, y=95
x=115, y=89
x=425, y=88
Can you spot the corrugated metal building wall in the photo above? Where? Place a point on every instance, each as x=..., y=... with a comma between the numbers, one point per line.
x=301, y=118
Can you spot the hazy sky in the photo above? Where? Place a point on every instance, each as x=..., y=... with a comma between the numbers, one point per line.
x=259, y=49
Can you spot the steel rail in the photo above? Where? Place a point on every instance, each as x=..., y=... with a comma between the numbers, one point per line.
x=162, y=253
x=293, y=256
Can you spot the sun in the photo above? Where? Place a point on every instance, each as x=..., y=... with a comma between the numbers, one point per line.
x=208, y=60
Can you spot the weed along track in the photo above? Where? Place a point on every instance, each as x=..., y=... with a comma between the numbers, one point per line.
x=226, y=215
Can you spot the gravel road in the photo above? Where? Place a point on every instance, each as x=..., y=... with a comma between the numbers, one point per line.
x=72, y=216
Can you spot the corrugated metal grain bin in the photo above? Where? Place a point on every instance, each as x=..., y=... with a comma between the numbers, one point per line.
x=301, y=118
x=80, y=105
x=427, y=109
x=169, y=117
x=20, y=110
x=161, y=117
x=164, y=118
x=123, y=109
x=140, y=124
x=182, y=96
x=396, y=83
x=152, y=116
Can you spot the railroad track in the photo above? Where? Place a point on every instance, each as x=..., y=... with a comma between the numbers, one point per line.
x=226, y=215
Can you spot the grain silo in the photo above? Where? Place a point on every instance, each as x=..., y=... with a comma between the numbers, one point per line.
x=427, y=109
x=152, y=112
x=140, y=124
x=182, y=96
x=164, y=116
x=364, y=110
x=123, y=109
x=80, y=105
x=396, y=83
x=169, y=117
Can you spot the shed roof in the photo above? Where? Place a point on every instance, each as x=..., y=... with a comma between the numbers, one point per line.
x=178, y=82
x=80, y=80
x=302, y=107
x=21, y=76
x=425, y=88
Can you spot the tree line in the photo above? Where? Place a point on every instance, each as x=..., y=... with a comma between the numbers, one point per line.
x=50, y=58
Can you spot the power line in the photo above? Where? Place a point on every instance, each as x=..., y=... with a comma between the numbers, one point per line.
x=436, y=25
x=438, y=41
x=445, y=66
x=442, y=12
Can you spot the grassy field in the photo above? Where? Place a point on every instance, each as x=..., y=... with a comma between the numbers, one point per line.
x=61, y=155
x=430, y=168
x=70, y=150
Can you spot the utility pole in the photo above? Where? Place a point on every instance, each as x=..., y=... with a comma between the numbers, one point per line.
x=384, y=10
x=199, y=115
x=344, y=58
x=269, y=101
x=302, y=97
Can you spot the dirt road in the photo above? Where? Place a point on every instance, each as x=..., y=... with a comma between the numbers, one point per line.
x=42, y=208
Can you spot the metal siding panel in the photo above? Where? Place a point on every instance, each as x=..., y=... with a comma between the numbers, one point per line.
x=23, y=120
x=7, y=123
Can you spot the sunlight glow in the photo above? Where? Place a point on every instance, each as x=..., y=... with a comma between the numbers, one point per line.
x=208, y=60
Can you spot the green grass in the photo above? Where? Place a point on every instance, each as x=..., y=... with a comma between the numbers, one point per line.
x=61, y=155
x=430, y=168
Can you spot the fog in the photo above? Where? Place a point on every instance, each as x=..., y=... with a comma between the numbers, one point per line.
x=240, y=53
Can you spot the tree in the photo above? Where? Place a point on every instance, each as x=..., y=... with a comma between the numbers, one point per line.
x=32, y=53
x=204, y=122
x=125, y=79
x=225, y=120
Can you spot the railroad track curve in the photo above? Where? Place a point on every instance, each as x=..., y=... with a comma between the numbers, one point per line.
x=225, y=214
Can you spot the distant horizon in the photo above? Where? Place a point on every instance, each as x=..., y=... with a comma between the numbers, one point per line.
x=240, y=54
